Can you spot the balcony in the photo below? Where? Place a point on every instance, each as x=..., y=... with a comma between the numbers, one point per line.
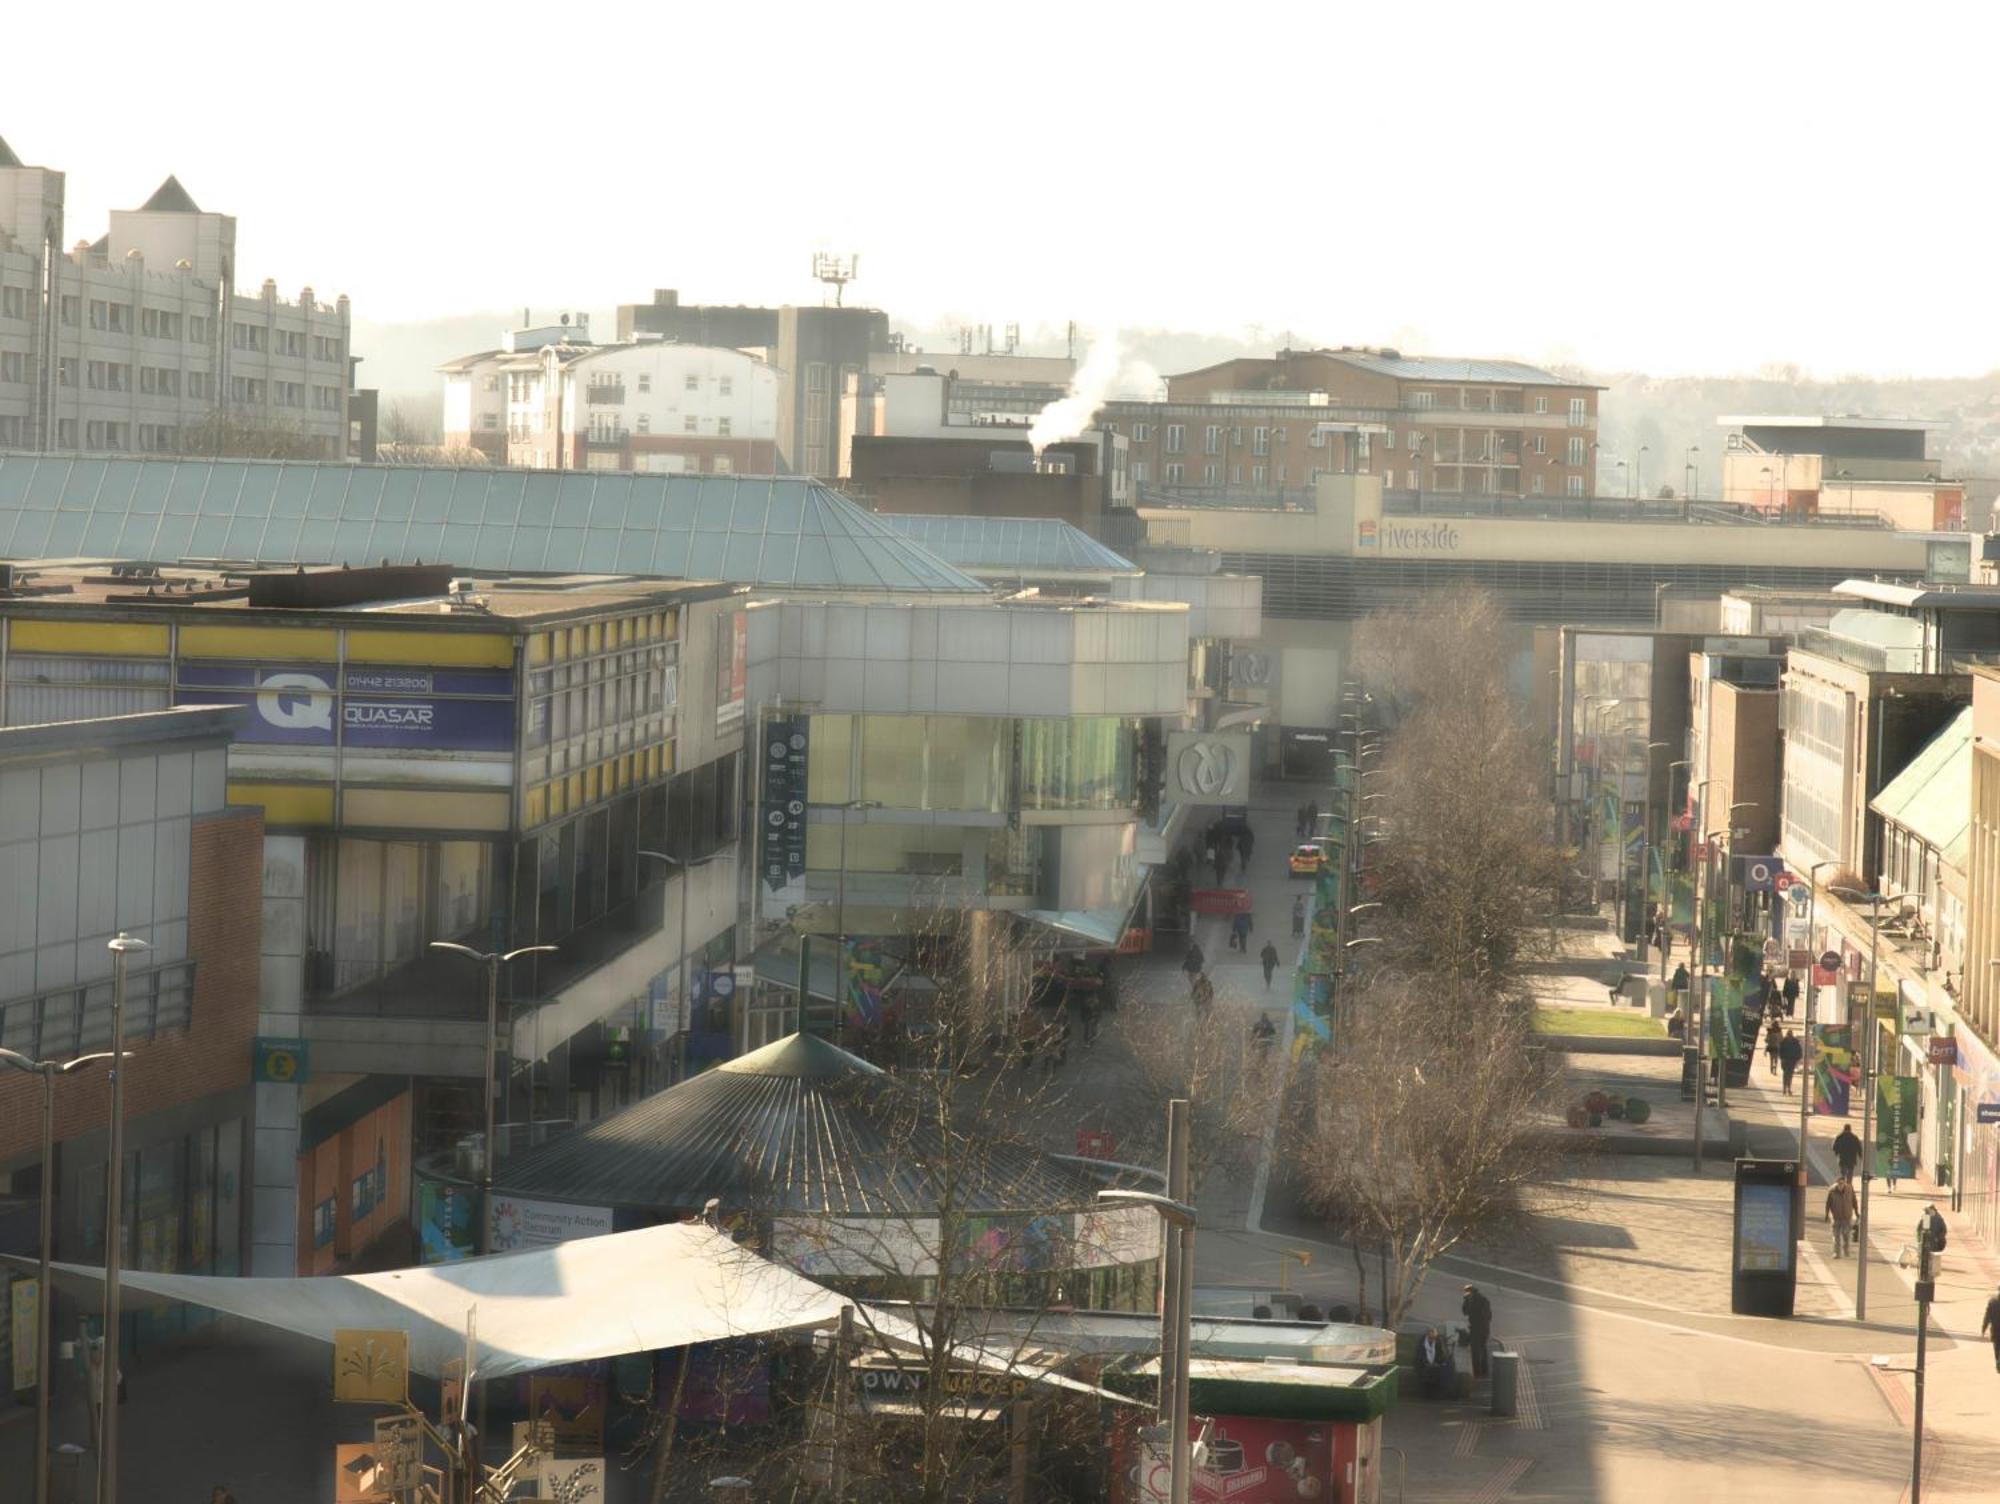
x=606, y=438
x=69, y=1021
x=605, y=394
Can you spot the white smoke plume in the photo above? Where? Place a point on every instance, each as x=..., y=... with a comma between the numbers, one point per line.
x=1068, y=416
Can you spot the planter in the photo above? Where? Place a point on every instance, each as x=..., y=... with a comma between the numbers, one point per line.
x=1597, y=1120
x=1615, y=1111
x=1637, y=1109
x=1597, y=1101
x=1578, y=1118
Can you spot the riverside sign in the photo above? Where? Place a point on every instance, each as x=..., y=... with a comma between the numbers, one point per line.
x=1406, y=537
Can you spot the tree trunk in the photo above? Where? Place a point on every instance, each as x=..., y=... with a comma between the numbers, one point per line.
x=1361, y=1279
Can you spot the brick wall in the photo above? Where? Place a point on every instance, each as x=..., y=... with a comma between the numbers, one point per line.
x=225, y=920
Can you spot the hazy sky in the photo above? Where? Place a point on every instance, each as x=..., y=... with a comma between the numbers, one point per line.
x=1666, y=187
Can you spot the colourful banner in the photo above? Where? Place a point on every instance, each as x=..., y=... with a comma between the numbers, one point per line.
x=1896, y=1126
x=867, y=975
x=1836, y=1070
x=1683, y=898
x=1725, y=1023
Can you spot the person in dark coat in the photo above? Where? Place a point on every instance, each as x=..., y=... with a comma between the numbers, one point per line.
x=1193, y=961
x=1991, y=1323
x=1298, y=916
x=1246, y=842
x=1790, y=1053
x=1479, y=1322
x=1847, y=1150
x=1790, y=993
x=1269, y=956
x=1680, y=979
x=1239, y=932
x=1773, y=1044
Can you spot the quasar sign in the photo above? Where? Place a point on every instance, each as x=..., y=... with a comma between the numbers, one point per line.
x=467, y=710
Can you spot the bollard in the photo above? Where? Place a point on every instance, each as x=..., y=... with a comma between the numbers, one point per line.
x=1506, y=1370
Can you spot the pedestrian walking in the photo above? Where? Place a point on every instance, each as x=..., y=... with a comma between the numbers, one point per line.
x=1269, y=956
x=1679, y=983
x=1312, y=819
x=1239, y=931
x=1194, y=960
x=1847, y=1150
x=1991, y=1323
x=1790, y=992
x=1219, y=855
x=1790, y=1052
x=1479, y=1322
x=1773, y=1045
x=1931, y=1231
x=1298, y=916
x=1841, y=1206
x=1204, y=993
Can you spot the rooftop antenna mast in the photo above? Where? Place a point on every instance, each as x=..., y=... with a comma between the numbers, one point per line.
x=835, y=271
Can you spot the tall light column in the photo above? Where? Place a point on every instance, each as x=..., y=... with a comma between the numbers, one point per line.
x=121, y=946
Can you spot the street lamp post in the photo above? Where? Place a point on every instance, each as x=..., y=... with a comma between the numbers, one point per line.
x=1646, y=853
x=492, y=961
x=1693, y=470
x=1666, y=896
x=1811, y=990
x=1868, y=1067
x=684, y=867
x=1700, y=988
x=121, y=946
x=1639, y=490
x=48, y=1070
x=1177, y=1298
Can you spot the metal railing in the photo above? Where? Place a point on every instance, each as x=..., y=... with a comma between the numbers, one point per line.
x=68, y=1021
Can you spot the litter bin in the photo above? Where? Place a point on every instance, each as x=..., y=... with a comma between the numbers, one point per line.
x=65, y=1474
x=1506, y=1370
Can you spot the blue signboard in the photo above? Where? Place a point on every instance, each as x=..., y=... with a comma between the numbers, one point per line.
x=380, y=707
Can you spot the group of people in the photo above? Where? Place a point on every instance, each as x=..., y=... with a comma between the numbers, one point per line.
x=1306, y=822
x=1222, y=843
x=1437, y=1368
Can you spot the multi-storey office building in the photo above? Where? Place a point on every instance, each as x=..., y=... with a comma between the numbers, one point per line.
x=650, y=405
x=125, y=824
x=1456, y=428
x=486, y=763
x=140, y=342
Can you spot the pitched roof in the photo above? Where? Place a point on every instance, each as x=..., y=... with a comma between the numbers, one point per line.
x=1011, y=545
x=785, y=532
x=1932, y=796
x=798, y=1126
x=1436, y=368
x=170, y=198
x=7, y=157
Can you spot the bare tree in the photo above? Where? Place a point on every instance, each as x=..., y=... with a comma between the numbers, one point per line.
x=1419, y=1136
x=228, y=434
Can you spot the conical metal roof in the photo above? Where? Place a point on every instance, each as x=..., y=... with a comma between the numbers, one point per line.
x=784, y=532
x=802, y=1127
x=1011, y=545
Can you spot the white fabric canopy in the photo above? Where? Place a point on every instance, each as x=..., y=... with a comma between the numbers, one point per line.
x=602, y=1297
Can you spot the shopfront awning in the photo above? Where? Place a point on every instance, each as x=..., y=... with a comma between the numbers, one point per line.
x=1099, y=927
x=659, y=1287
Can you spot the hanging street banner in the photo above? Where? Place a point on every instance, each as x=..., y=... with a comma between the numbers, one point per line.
x=781, y=856
x=1836, y=1070
x=1725, y=1018
x=1896, y=1126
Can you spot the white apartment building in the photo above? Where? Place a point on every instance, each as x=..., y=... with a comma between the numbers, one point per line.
x=564, y=403
x=139, y=342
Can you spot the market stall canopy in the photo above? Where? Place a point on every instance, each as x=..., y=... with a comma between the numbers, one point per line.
x=799, y=1126
x=629, y=1292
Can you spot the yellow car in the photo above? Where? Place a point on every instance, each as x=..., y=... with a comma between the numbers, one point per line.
x=1307, y=860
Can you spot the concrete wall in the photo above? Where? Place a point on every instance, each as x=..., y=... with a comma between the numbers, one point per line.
x=1743, y=745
